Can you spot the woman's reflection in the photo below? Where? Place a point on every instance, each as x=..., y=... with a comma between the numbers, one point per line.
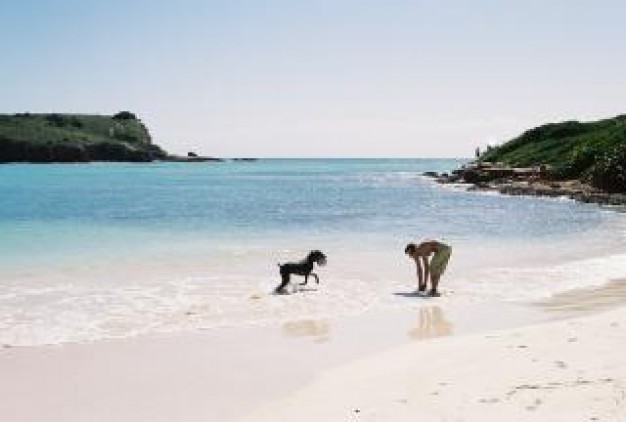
x=431, y=324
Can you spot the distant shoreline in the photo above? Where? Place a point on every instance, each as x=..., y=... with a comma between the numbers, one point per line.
x=525, y=182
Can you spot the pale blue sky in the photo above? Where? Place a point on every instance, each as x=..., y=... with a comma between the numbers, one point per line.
x=322, y=78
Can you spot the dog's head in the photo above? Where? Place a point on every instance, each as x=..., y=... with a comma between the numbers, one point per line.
x=318, y=257
x=410, y=249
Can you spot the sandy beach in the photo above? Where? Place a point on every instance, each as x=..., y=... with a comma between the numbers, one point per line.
x=441, y=360
x=570, y=370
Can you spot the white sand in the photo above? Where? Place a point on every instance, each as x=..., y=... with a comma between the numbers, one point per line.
x=571, y=370
x=395, y=366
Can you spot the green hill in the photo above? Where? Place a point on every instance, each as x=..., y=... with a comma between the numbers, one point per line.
x=593, y=152
x=57, y=137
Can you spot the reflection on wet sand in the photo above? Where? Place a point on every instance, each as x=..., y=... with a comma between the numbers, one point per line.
x=432, y=323
x=307, y=328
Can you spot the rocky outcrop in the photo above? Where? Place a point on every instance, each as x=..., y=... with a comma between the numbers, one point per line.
x=67, y=152
x=245, y=159
x=190, y=158
x=64, y=138
x=594, y=152
x=532, y=181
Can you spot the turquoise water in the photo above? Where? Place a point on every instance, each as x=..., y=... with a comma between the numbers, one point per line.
x=92, y=251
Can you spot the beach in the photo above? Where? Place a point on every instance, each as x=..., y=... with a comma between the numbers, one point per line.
x=425, y=363
x=152, y=300
x=570, y=370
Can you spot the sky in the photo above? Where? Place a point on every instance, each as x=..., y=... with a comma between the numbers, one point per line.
x=318, y=78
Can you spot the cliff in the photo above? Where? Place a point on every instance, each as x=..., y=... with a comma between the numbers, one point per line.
x=43, y=138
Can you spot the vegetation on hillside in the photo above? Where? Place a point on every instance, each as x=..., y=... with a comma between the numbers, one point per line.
x=594, y=152
x=58, y=137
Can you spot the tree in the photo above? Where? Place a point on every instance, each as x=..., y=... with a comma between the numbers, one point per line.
x=125, y=115
x=609, y=172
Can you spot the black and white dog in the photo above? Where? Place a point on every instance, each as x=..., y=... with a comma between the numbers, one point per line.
x=304, y=268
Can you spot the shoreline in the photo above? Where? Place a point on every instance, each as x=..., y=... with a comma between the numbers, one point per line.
x=569, y=369
x=226, y=374
x=489, y=177
x=580, y=302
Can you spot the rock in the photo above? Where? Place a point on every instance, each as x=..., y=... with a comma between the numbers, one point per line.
x=189, y=159
x=527, y=181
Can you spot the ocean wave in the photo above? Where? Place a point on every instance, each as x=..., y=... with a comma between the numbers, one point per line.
x=533, y=283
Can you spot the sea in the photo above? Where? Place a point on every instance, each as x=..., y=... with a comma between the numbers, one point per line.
x=98, y=251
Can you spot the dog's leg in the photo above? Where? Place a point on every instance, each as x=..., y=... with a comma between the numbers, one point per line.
x=317, y=280
x=306, y=279
x=283, y=284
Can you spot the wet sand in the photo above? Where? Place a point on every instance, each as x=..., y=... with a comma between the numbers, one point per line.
x=278, y=372
x=576, y=302
x=572, y=369
x=219, y=374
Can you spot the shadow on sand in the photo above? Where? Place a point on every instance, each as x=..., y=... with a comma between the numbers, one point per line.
x=414, y=293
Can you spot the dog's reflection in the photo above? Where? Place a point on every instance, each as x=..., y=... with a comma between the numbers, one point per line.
x=432, y=323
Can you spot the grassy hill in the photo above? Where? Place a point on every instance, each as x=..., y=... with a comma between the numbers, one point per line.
x=75, y=137
x=594, y=152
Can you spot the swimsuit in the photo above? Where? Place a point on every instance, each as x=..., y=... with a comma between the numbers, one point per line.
x=440, y=259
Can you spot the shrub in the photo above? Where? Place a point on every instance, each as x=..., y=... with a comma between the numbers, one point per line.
x=55, y=120
x=74, y=121
x=609, y=172
x=125, y=115
x=579, y=162
x=126, y=137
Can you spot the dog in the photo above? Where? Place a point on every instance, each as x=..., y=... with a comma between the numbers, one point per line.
x=304, y=268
